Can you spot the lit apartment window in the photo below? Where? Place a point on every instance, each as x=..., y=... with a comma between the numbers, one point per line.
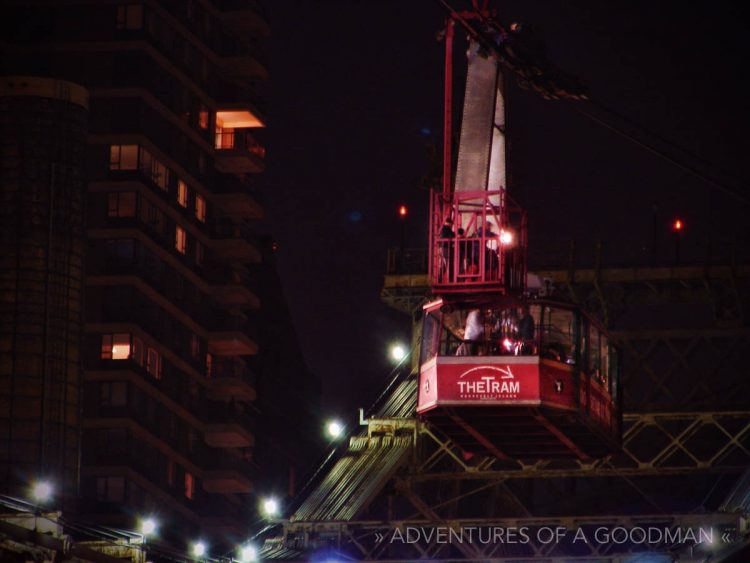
x=200, y=208
x=203, y=118
x=130, y=16
x=224, y=137
x=139, y=351
x=189, y=485
x=110, y=489
x=180, y=240
x=115, y=346
x=121, y=204
x=182, y=193
x=123, y=157
x=153, y=363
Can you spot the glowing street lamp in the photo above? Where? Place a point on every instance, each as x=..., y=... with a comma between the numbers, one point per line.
x=148, y=527
x=677, y=225
x=198, y=549
x=270, y=507
x=42, y=491
x=334, y=429
x=398, y=352
x=248, y=554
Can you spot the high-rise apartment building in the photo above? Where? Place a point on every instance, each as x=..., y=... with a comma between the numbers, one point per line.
x=169, y=357
x=43, y=125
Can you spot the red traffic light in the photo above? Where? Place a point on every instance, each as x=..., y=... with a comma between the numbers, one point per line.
x=402, y=211
x=678, y=225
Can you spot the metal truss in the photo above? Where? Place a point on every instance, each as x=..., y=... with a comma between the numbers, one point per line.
x=653, y=444
x=440, y=489
x=685, y=444
x=685, y=368
x=698, y=367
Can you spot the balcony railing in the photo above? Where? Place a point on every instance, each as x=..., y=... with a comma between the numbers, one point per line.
x=239, y=139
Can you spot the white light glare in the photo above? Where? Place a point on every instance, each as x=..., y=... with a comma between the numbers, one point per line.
x=335, y=429
x=248, y=554
x=199, y=549
x=398, y=352
x=271, y=507
x=148, y=526
x=506, y=238
x=42, y=491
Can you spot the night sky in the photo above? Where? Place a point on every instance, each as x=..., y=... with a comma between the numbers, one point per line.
x=356, y=100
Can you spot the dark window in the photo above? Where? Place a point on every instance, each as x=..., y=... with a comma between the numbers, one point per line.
x=111, y=489
x=130, y=16
x=113, y=393
x=121, y=204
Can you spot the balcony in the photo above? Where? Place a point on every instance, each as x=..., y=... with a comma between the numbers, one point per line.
x=234, y=295
x=232, y=287
x=231, y=343
x=230, y=378
x=240, y=205
x=233, y=241
x=243, y=16
x=225, y=427
x=238, y=116
x=227, y=473
x=232, y=336
x=226, y=482
x=237, y=152
x=236, y=197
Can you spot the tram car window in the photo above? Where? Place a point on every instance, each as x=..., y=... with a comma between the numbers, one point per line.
x=488, y=371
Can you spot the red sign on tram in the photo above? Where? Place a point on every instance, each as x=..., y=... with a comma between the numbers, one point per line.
x=478, y=380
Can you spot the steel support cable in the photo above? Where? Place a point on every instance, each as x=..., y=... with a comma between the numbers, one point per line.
x=636, y=125
x=394, y=376
x=650, y=148
x=739, y=196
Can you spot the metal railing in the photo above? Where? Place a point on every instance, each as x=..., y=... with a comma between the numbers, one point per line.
x=239, y=139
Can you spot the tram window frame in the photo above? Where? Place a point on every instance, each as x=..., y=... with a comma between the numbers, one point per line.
x=604, y=358
x=614, y=372
x=551, y=333
x=431, y=330
x=593, y=353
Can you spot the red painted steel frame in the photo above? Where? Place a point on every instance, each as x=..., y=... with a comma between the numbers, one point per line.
x=477, y=261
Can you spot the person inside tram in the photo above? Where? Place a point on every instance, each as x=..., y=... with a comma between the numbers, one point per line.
x=473, y=334
x=461, y=251
x=526, y=331
x=446, y=248
x=554, y=351
x=490, y=250
x=472, y=253
x=496, y=333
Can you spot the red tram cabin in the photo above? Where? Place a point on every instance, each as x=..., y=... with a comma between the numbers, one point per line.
x=525, y=380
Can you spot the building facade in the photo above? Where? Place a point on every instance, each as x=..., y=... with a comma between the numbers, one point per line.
x=43, y=124
x=173, y=264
